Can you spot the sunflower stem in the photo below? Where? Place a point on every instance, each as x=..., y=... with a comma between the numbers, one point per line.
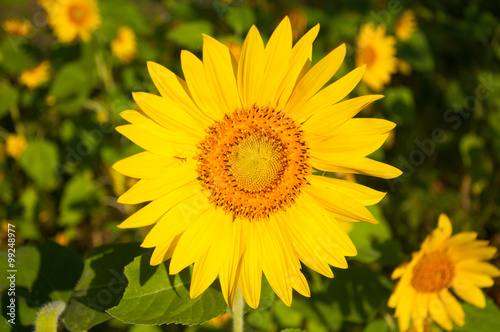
x=238, y=309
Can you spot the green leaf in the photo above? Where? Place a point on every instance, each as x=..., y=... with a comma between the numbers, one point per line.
x=75, y=199
x=45, y=273
x=400, y=105
x=38, y=162
x=27, y=223
x=154, y=297
x=471, y=147
x=480, y=319
x=101, y=285
x=14, y=55
x=291, y=330
x=378, y=325
x=417, y=52
x=240, y=19
x=364, y=236
x=188, y=34
x=8, y=97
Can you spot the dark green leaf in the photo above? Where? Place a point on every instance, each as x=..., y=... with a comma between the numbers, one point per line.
x=101, y=286
x=8, y=97
x=155, y=297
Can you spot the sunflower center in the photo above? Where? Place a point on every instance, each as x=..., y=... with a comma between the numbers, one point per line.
x=77, y=13
x=368, y=55
x=253, y=162
x=433, y=272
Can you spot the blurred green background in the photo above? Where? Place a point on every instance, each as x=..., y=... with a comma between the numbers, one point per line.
x=59, y=186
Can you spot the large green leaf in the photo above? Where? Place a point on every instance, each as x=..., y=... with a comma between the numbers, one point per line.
x=240, y=19
x=8, y=97
x=481, y=319
x=154, y=297
x=38, y=161
x=101, y=286
x=45, y=273
x=76, y=195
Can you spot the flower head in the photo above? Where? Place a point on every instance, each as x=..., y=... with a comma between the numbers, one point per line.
x=17, y=27
x=406, y=25
x=377, y=51
x=15, y=145
x=72, y=19
x=124, y=46
x=443, y=262
x=228, y=166
x=32, y=78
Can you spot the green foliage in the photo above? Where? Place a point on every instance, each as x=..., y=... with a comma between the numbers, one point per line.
x=39, y=161
x=189, y=34
x=479, y=319
x=154, y=297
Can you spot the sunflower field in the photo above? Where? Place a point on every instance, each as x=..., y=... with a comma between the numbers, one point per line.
x=249, y=165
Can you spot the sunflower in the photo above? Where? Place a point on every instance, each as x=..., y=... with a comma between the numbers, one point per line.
x=124, y=46
x=406, y=25
x=72, y=19
x=17, y=27
x=15, y=145
x=377, y=51
x=229, y=160
x=422, y=294
x=32, y=78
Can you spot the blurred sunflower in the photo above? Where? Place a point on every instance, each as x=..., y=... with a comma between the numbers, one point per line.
x=72, y=19
x=229, y=161
x=406, y=25
x=124, y=47
x=32, y=78
x=377, y=51
x=15, y=145
x=17, y=27
x=443, y=262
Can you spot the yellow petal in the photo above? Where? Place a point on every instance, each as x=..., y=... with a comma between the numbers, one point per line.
x=220, y=74
x=420, y=311
x=251, y=266
x=196, y=79
x=473, y=265
x=251, y=68
x=364, y=126
x=441, y=233
x=404, y=310
x=231, y=269
x=453, y=307
x=147, y=165
x=164, y=251
x=468, y=292
x=210, y=264
x=197, y=239
x=169, y=115
x=274, y=263
x=151, y=189
x=478, y=279
x=305, y=244
x=438, y=312
x=314, y=80
x=175, y=89
x=340, y=203
x=339, y=146
x=364, y=166
x=276, y=58
x=461, y=238
x=322, y=123
x=175, y=221
x=335, y=92
x=150, y=214
x=300, y=63
x=360, y=193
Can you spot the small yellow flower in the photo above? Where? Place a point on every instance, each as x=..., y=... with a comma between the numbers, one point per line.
x=32, y=78
x=377, y=51
x=406, y=25
x=443, y=262
x=124, y=47
x=72, y=19
x=234, y=48
x=298, y=20
x=404, y=67
x=220, y=321
x=17, y=27
x=62, y=239
x=15, y=145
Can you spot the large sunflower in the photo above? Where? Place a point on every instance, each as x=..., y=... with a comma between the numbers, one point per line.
x=230, y=158
x=443, y=262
